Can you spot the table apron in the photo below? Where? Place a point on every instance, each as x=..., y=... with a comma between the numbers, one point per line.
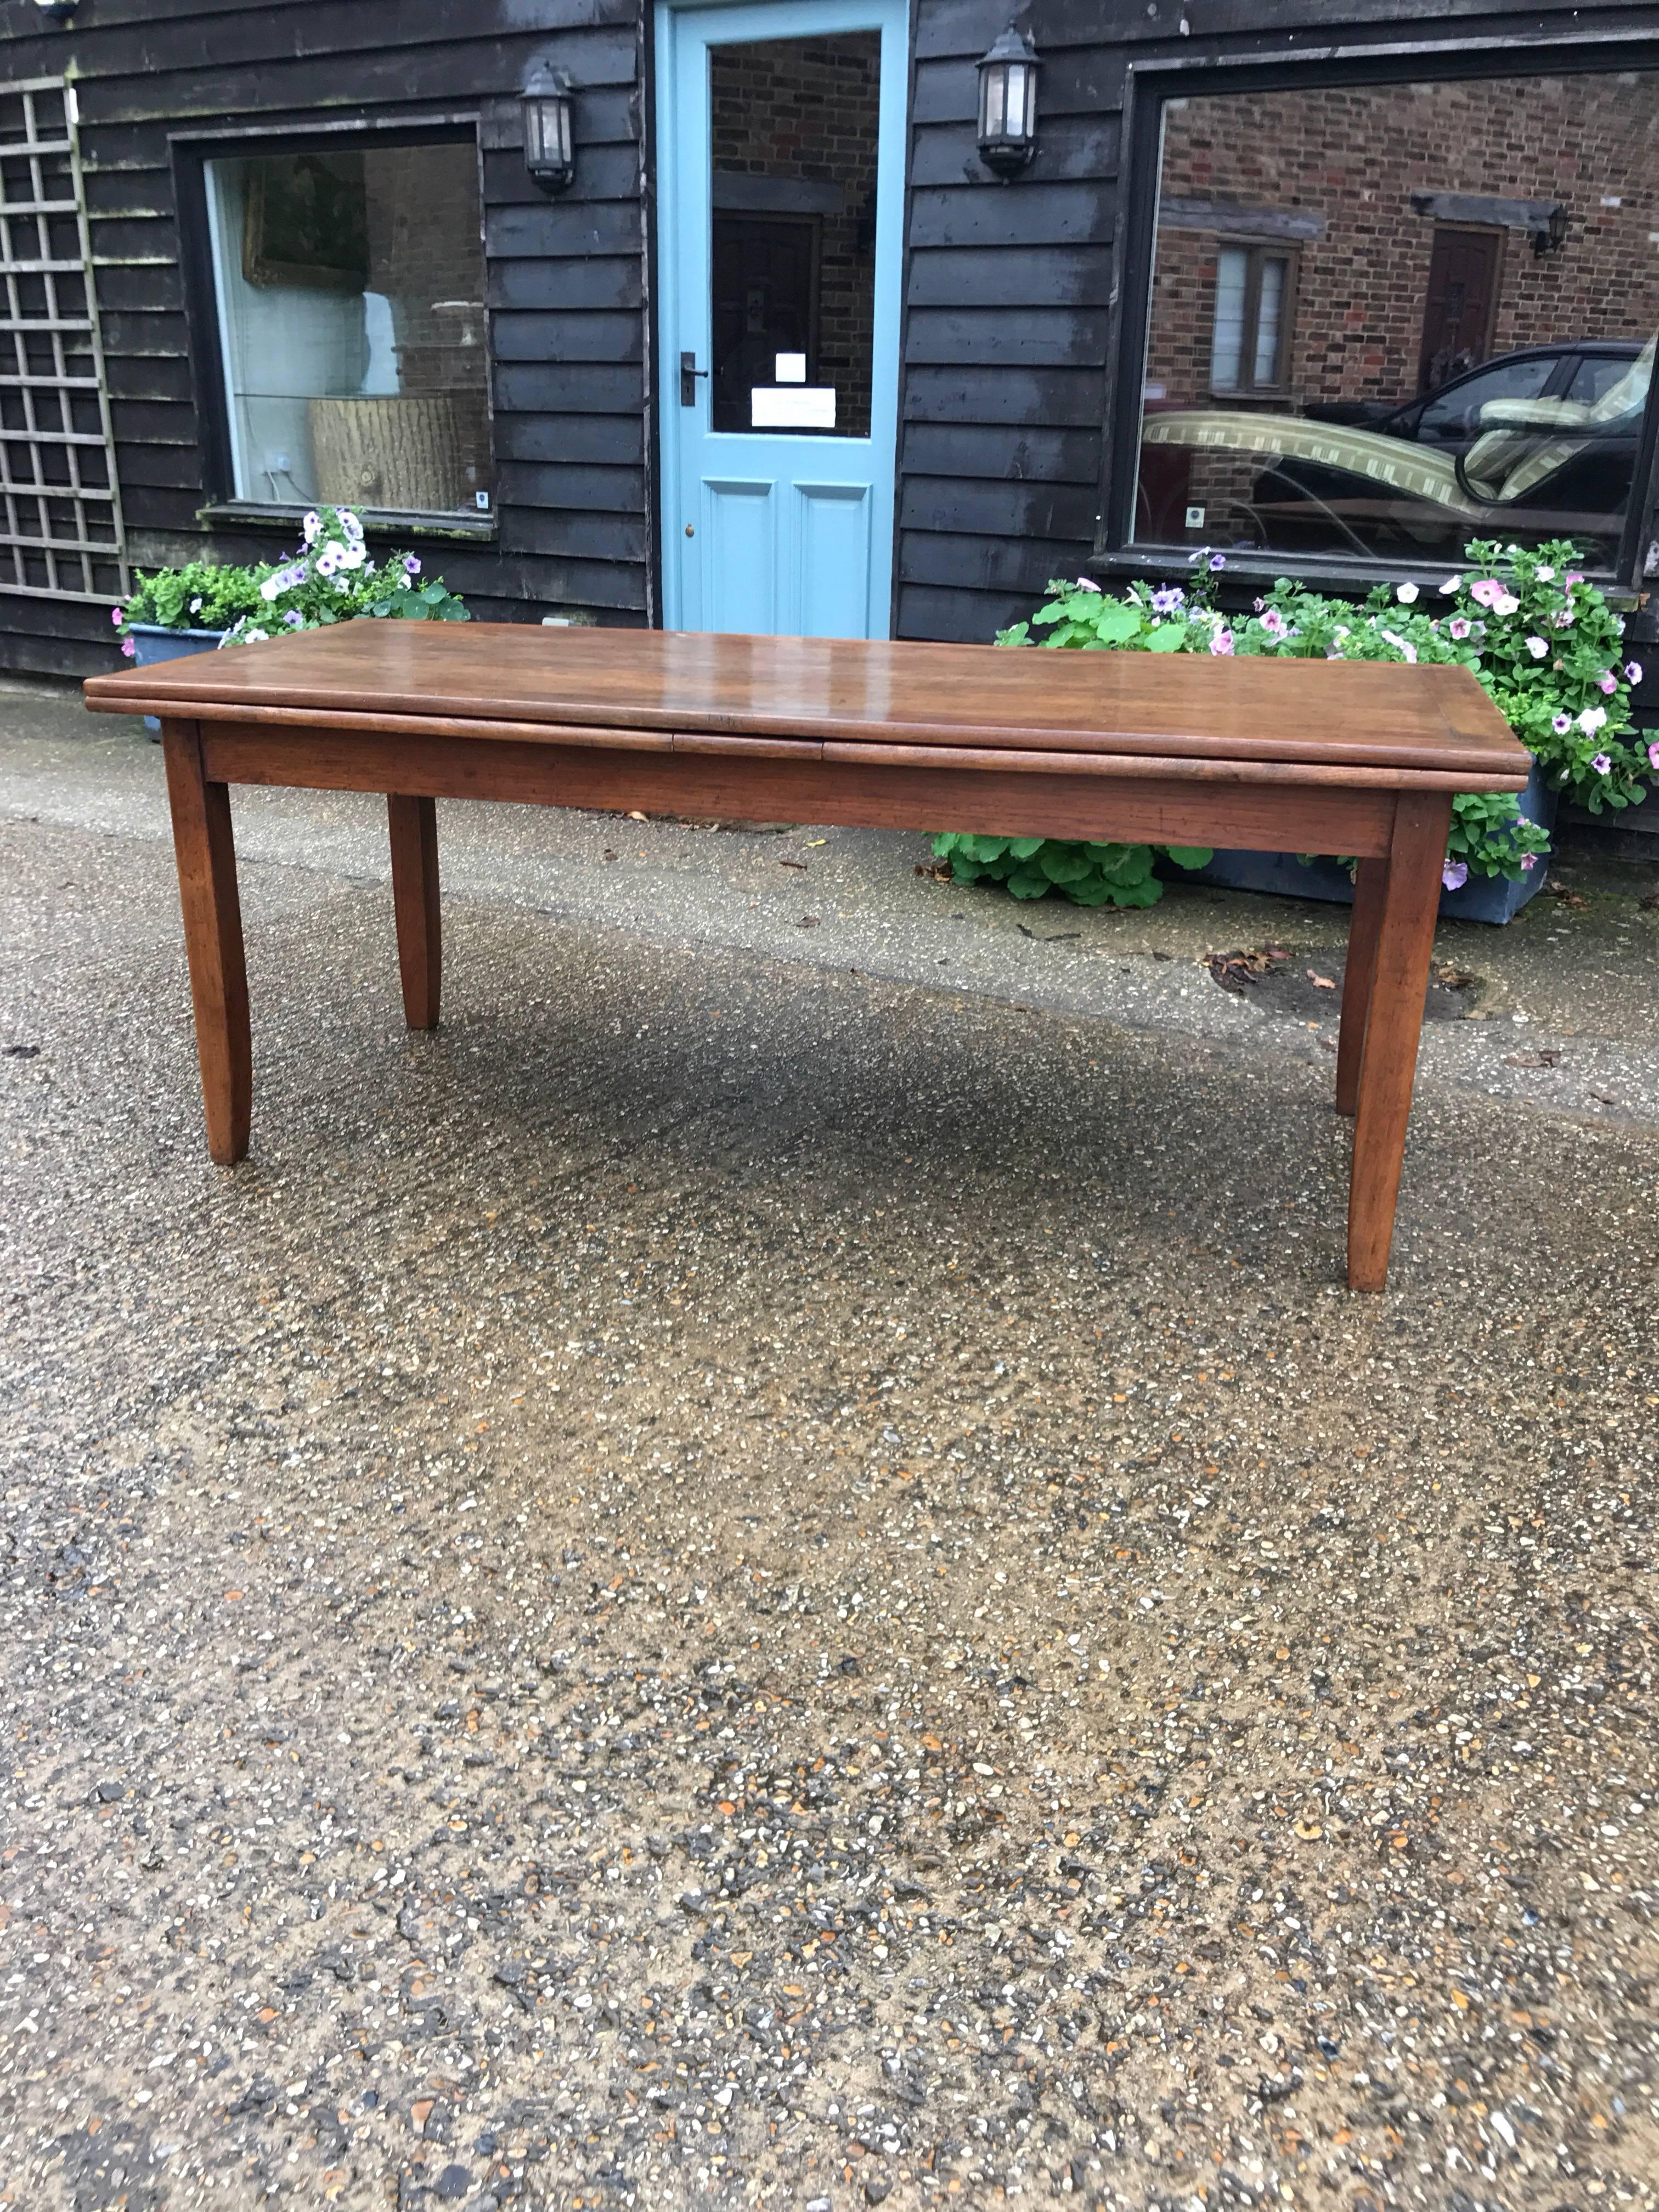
x=1169, y=809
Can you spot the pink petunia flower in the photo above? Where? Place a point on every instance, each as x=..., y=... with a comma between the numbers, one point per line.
x=1221, y=641
x=1488, y=592
x=1529, y=860
x=1607, y=682
x=129, y=648
x=1653, y=758
x=115, y=616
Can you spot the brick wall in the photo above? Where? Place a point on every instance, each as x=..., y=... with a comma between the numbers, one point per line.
x=808, y=109
x=1355, y=156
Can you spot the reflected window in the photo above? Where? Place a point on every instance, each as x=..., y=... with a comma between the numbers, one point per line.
x=794, y=137
x=1385, y=320
x=1252, y=318
x=350, y=288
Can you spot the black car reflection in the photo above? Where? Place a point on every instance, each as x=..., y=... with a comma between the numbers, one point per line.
x=1543, y=440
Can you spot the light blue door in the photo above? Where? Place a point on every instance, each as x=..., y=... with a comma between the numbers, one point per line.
x=780, y=169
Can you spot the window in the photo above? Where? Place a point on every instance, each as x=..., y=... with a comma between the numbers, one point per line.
x=1385, y=318
x=349, y=293
x=60, y=506
x=1253, y=296
x=1454, y=414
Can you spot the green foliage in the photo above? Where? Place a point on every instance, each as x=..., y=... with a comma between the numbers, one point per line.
x=1538, y=636
x=199, y=596
x=1088, y=874
x=333, y=578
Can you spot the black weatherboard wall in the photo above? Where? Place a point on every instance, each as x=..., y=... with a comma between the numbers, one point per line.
x=1009, y=288
x=155, y=79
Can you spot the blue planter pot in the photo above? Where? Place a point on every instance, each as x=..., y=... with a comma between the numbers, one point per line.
x=154, y=645
x=1482, y=898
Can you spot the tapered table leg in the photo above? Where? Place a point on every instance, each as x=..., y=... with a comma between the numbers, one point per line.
x=206, y=853
x=1369, y=885
x=1394, y=1027
x=414, y=826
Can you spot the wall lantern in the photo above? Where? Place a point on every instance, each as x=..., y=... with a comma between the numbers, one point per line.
x=1007, y=103
x=550, y=153
x=57, y=11
x=1550, y=234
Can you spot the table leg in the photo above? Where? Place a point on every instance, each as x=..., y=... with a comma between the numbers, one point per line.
x=414, y=826
x=1369, y=885
x=1400, y=983
x=206, y=853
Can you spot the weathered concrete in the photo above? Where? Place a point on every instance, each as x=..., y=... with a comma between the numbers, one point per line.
x=768, y=1571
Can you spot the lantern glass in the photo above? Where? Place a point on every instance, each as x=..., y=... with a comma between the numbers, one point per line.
x=1014, y=120
x=992, y=107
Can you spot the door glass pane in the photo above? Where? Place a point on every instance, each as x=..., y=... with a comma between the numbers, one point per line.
x=1387, y=318
x=349, y=287
x=794, y=137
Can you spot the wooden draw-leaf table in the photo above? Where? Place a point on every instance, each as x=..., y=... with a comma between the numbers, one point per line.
x=1311, y=757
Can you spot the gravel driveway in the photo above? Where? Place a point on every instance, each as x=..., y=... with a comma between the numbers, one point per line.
x=729, y=1583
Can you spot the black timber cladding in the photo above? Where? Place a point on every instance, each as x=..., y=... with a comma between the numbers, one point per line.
x=1009, y=288
x=565, y=278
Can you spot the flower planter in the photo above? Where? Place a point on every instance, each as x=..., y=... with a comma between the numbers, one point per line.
x=152, y=644
x=1482, y=898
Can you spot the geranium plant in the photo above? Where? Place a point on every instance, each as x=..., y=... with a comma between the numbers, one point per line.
x=332, y=578
x=1537, y=635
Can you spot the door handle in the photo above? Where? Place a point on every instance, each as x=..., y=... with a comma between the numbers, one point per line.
x=689, y=374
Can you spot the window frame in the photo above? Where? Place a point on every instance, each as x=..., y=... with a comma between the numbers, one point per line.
x=191, y=151
x=1148, y=86
x=1256, y=250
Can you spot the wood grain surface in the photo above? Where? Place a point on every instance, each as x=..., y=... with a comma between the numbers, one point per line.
x=1341, y=714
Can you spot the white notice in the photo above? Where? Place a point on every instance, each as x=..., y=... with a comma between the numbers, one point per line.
x=791, y=407
x=791, y=369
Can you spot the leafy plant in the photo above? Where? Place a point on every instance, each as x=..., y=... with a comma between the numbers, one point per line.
x=1088, y=874
x=333, y=578
x=201, y=595
x=1536, y=634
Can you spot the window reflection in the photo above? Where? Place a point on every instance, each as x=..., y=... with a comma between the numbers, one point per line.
x=1385, y=320
x=349, y=287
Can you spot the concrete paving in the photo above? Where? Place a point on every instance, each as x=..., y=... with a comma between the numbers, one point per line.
x=773, y=1570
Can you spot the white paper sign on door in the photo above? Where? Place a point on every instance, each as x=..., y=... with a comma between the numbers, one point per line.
x=791, y=407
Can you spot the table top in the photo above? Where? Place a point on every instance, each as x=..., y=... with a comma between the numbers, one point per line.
x=1339, y=713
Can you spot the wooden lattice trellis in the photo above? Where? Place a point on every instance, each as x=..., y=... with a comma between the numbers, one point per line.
x=62, y=535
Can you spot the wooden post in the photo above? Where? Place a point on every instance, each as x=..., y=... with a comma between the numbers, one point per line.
x=1394, y=1026
x=1370, y=884
x=205, y=851
x=413, y=823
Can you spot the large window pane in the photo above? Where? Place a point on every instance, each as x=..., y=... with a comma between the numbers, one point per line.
x=794, y=144
x=351, y=297
x=1385, y=320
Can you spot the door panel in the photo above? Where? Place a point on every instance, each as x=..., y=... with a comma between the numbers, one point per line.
x=739, y=553
x=833, y=522
x=1460, y=304
x=781, y=150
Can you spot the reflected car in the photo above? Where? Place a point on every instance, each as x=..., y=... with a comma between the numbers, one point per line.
x=1544, y=439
